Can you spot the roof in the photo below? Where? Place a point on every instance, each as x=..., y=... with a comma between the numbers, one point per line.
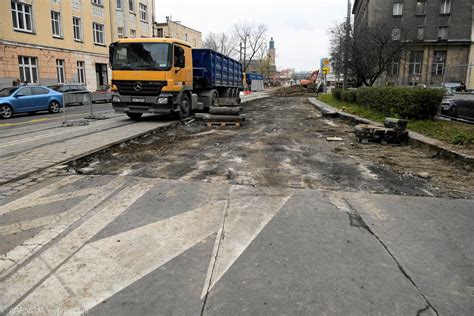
x=153, y=40
x=157, y=24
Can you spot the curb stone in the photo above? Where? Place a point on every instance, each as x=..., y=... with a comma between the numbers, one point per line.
x=443, y=149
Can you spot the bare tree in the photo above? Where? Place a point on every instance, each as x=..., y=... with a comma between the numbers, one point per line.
x=222, y=43
x=264, y=65
x=372, y=50
x=252, y=37
x=337, y=35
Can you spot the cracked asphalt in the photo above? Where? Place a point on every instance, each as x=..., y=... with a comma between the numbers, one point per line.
x=267, y=219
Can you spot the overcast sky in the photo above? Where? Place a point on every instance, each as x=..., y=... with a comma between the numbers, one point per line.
x=299, y=27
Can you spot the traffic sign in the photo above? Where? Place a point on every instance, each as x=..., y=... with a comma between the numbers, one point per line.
x=326, y=70
x=326, y=62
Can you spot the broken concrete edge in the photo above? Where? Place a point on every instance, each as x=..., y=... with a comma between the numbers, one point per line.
x=94, y=151
x=255, y=98
x=442, y=149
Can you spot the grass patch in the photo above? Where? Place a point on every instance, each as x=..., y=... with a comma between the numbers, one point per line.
x=450, y=132
x=352, y=108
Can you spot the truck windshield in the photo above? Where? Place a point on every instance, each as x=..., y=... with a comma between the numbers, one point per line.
x=141, y=56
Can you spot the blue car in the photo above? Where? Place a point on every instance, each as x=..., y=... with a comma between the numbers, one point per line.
x=29, y=99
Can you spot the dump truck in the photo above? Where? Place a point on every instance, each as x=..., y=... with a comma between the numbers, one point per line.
x=165, y=75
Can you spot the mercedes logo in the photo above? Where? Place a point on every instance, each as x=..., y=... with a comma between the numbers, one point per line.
x=138, y=86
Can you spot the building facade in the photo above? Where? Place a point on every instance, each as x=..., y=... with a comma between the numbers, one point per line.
x=63, y=41
x=174, y=29
x=132, y=18
x=438, y=34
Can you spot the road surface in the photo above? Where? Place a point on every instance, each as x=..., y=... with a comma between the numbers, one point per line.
x=73, y=112
x=267, y=219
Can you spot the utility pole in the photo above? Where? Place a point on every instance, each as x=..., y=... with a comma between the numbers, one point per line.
x=346, y=45
x=245, y=52
x=241, y=52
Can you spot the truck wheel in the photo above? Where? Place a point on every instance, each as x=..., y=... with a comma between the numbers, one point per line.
x=184, y=107
x=214, y=98
x=134, y=116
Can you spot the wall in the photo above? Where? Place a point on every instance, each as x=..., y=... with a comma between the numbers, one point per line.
x=179, y=31
x=130, y=19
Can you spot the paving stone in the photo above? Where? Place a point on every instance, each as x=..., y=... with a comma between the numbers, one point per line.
x=52, y=155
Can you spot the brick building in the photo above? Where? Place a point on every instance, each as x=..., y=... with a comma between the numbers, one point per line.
x=438, y=35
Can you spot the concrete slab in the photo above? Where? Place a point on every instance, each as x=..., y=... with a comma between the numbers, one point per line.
x=309, y=260
x=433, y=240
x=127, y=245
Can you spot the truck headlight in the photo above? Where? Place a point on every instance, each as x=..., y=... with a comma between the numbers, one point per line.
x=115, y=98
x=162, y=100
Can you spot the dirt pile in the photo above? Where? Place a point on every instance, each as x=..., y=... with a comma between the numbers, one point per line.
x=292, y=91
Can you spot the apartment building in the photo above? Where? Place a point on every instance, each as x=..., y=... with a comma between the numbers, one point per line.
x=175, y=29
x=438, y=34
x=66, y=41
x=132, y=18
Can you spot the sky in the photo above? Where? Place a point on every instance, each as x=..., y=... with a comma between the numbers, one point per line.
x=299, y=27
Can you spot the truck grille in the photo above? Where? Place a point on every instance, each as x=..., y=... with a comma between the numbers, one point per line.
x=152, y=88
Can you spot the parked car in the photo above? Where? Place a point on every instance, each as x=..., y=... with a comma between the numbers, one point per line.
x=73, y=93
x=30, y=99
x=455, y=86
x=461, y=105
x=103, y=94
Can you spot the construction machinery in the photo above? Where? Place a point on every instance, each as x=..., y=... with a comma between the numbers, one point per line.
x=310, y=80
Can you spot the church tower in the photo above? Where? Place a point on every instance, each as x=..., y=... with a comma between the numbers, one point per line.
x=272, y=55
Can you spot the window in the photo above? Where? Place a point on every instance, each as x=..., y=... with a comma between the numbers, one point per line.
x=60, y=70
x=119, y=4
x=421, y=7
x=420, y=34
x=179, y=58
x=120, y=32
x=133, y=33
x=98, y=2
x=396, y=34
x=186, y=37
x=98, y=30
x=397, y=8
x=81, y=72
x=77, y=28
x=131, y=5
x=445, y=7
x=56, y=24
x=76, y=4
x=439, y=60
x=39, y=90
x=56, y=1
x=28, y=69
x=26, y=91
x=442, y=33
x=416, y=59
x=159, y=32
x=143, y=13
x=395, y=66
x=21, y=15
